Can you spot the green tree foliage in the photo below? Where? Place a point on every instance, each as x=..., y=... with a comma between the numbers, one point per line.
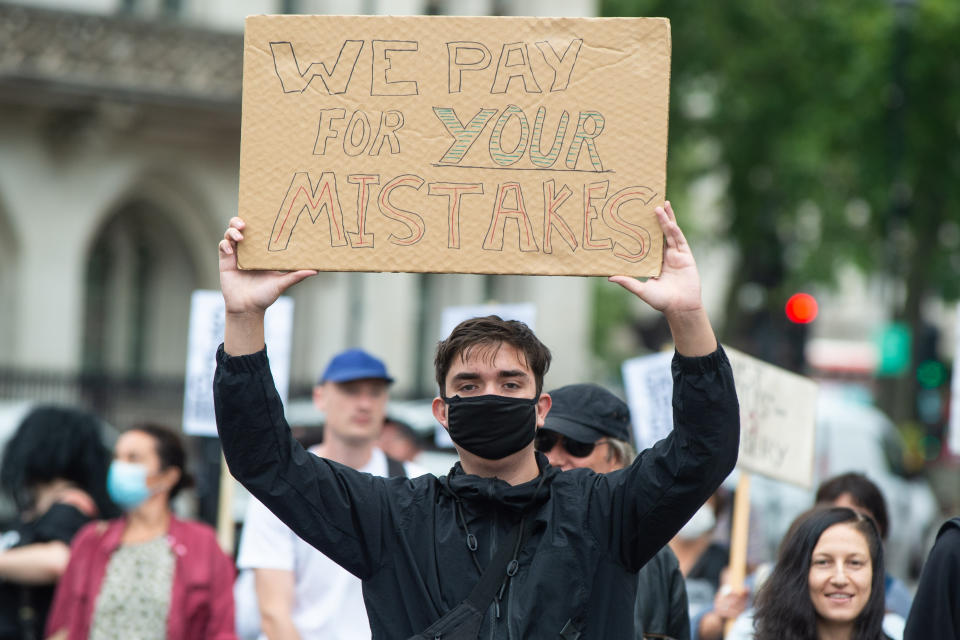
x=836, y=126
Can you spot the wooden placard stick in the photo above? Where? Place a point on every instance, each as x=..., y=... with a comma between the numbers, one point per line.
x=738, y=538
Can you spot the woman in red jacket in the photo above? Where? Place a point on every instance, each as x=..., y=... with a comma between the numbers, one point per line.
x=147, y=574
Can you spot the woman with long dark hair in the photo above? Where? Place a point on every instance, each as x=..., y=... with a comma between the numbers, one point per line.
x=54, y=468
x=148, y=575
x=828, y=580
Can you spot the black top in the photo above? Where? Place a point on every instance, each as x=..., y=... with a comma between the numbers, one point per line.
x=23, y=609
x=710, y=565
x=406, y=539
x=662, y=610
x=935, y=614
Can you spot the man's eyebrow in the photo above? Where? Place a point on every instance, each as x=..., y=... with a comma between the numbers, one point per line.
x=512, y=373
x=466, y=375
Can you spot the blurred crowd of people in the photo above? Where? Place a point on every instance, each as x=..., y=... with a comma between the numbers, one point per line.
x=97, y=551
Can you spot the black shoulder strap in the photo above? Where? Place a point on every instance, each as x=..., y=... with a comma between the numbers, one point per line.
x=395, y=468
x=464, y=621
x=502, y=567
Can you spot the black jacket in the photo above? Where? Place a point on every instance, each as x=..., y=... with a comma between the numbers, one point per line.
x=404, y=539
x=935, y=613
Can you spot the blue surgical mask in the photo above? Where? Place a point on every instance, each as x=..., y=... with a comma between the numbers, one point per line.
x=127, y=484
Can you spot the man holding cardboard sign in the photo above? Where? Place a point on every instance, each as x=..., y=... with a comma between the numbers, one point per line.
x=503, y=545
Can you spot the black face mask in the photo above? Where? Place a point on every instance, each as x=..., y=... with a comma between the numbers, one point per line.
x=491, y=427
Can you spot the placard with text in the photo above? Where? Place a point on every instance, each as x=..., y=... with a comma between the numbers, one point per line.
x=447, y=144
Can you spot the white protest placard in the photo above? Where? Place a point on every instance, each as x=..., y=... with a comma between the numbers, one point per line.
x=649, y=387
x=525, y=312
x=778, y=420
x=777, y=413
x=206, y=333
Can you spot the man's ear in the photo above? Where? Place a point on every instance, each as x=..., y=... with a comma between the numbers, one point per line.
x=544, y=402
x=318, y=397
x=439, y=408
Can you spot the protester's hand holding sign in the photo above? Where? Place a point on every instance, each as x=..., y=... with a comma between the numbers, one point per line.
x=676, y=293
x=247, y=294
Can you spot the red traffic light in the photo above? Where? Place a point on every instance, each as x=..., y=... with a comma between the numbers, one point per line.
x=801, y=308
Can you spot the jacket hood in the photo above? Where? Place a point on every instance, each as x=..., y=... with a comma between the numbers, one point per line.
x=477, y=490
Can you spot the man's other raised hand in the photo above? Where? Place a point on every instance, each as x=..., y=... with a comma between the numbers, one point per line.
x=676, y=293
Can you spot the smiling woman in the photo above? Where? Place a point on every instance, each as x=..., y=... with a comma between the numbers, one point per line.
x=828, y=581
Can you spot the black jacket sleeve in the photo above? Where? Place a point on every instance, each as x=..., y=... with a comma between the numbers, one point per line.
x=60, y=522
x=935, y=612
x=338, y=510
x=635, y=511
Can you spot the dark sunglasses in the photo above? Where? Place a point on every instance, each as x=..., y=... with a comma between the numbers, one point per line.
x=546, y=440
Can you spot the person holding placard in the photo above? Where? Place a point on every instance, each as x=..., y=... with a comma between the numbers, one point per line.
x=828, y=581
x=857, y=492
x=504, y=545
x=589, y=428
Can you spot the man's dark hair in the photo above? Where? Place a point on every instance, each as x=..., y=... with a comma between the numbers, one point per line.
x=784, y=610
x=170, y=450
x=864, y=493
x=491, y=332
x=57, y=443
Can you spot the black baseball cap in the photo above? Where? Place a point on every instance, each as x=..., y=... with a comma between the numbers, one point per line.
x=588, y=412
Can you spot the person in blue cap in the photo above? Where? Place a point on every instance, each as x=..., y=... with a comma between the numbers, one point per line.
x=300, y=592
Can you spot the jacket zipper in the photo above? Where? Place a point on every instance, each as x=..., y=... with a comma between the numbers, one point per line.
x=492, y=611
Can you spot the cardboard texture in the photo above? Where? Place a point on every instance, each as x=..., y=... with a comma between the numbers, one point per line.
x=445, y=144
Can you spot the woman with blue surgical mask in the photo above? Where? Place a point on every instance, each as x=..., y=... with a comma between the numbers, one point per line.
x=148, y=574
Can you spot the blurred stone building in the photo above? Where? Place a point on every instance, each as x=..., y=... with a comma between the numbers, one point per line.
x=119, y=152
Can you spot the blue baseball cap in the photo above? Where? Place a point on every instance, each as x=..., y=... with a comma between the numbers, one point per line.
x=355, y=364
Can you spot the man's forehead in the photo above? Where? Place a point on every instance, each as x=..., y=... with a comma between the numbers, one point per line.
x=497, y=355
x=347, y=385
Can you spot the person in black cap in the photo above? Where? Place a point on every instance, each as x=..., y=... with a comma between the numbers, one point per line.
x=589, y=428
x=301, y=592
x=505, y=546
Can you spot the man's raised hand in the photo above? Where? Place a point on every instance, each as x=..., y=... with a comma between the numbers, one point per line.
x=250, y=291
x=676, y=293
x=247, y=294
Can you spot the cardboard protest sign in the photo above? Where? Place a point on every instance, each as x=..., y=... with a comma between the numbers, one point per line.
x=447, y=144
x=777, y=413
